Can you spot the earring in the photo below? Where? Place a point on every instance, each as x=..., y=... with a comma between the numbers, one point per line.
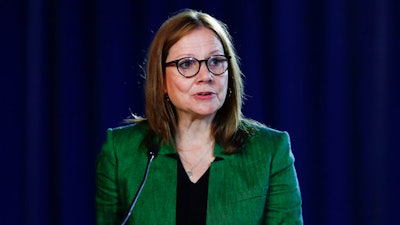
x=229, y=92
x=167, y=97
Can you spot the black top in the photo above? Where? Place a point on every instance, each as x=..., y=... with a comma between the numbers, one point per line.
x=191, y=202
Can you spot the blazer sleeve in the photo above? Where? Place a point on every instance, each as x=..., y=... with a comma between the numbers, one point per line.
x=107, y=199
x=283, y=204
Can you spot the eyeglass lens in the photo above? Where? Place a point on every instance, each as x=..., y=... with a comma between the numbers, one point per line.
x=188, y=67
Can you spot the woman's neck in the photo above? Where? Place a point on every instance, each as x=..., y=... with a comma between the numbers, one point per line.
x=193, y=134
x=195, y=147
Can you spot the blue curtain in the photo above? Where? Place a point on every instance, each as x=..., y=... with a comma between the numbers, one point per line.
x=325, y=71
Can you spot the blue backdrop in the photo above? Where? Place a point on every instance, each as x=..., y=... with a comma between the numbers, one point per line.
x=325, y=71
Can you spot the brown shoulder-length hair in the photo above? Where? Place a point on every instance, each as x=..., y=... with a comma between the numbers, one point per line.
x=160, y=113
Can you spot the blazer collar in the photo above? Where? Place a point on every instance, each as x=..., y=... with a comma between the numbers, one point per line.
x=168, y=149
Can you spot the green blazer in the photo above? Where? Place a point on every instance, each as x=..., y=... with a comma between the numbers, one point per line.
x=256, y=186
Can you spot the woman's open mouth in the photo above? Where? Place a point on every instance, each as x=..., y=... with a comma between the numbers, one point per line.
x=204, y=93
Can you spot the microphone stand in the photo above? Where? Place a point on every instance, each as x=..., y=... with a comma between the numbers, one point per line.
x=153, y=151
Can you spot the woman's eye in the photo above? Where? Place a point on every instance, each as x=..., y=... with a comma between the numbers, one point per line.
x=215, y=61
x=186, y=64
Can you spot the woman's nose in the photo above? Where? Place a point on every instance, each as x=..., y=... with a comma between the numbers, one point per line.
x=204, y=74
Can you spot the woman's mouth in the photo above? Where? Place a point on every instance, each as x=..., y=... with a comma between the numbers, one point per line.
x=204, y=93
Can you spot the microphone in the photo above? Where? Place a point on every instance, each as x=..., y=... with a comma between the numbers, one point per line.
x=152, y=152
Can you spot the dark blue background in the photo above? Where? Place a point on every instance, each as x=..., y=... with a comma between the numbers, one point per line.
x=325, y=71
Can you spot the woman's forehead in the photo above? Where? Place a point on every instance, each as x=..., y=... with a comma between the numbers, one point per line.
x=198, y=42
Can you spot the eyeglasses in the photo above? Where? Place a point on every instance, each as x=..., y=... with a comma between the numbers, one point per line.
x=190, y=67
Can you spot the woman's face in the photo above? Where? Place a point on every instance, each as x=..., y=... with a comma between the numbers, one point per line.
x=202, y=95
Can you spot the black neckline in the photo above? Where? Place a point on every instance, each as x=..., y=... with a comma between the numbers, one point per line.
x=191, y=205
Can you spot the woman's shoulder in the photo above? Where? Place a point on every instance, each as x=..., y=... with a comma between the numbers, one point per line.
x=258, y=129
x=129, y=131
x=122, y=140
x=262, y=142
x=264, y=137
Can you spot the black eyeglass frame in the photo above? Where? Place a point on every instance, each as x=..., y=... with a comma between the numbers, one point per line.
x=227, y=58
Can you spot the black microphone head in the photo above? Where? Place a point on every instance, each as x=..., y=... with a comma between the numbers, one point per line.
x=153, y=150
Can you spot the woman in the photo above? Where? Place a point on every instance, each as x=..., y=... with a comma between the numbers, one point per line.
x=213, y=165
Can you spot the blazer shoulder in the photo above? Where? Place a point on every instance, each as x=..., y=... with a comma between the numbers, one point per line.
x=132, y=134
x=264, y=140
x=140, y=129
x=259, y=130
